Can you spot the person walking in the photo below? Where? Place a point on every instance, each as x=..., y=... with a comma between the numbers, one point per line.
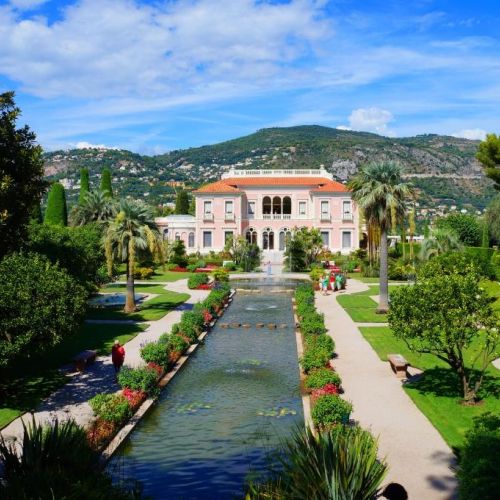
x=269, y=269
x=117, y=356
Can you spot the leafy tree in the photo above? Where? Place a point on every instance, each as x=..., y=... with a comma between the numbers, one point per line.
x=381, y=194
x=132, y=230
x=480, y=460
x=55, y=461
x=76, y=249
x=182, y=203
x=303, y=248
x=84, y=184
x=339, y=464
x=179, y=253
x=488, y=155
x=39, y=305
x=21, y=175
x=56, y=213
x=493, y=219
x=466, y=226
x=106, y=186
x=96, y=206
x=440, y=241
x=443, y=314
x=244, y=254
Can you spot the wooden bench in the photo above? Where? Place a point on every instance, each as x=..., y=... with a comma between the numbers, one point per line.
x=398, y=364
x=84, y=359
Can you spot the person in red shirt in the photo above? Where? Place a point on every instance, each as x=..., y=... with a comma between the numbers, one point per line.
x=117, y=356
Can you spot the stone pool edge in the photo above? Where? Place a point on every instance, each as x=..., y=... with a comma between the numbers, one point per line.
x=119, y=438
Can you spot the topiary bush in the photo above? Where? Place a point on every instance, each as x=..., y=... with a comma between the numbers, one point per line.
x=113, y=408
x=313, y=324
x=330, y=410
x=319, y=377
x=156, y=352
x=196, y=280
x=314, y=357
x=139, y=379
x=322, y=341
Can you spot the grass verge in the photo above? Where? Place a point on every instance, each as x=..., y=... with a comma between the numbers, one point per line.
x=361, y=307
x=24, y=386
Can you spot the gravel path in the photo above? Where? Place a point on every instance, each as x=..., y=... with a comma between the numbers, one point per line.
x=70, y=401
x=417, y=455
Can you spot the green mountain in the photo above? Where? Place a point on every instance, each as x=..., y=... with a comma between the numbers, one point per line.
x=442, y=168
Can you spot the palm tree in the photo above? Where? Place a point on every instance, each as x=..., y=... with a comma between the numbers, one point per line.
x=96, y=206
x=380, y=193
x=132, y=230
x=441, y=240
x=339, y=464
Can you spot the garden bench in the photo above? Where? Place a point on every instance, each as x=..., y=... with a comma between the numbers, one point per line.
x=398, y=364
x=84, y=359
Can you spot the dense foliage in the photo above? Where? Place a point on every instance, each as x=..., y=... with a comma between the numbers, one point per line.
x=480, y=460
x=493, y=219
x=84, y=184
x=195, y=280
x=339, y=464
x=21, y=175
x=182, y=203
x=155, y=352
x=330, y=410
x=179, y=257
x=488, y=154
x=113, y=408
x=465, y=226
x=139, y=379
x=56, y=213
x=40, y=304
x=320, y=377
x=106, y=186
x=303, y=248
x=245, y=255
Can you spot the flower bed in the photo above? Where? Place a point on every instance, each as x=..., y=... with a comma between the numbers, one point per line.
x=112, y=411
x=323, y=383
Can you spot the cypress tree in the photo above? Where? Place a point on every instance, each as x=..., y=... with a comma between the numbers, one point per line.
x=57, y=211
x=182, y=203
x=485, y=238
x=84, y=184
x=106, y=183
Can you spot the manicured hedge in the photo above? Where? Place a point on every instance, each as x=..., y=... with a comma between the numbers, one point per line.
x=195, y=280
x=320, y=377
x=330, y=410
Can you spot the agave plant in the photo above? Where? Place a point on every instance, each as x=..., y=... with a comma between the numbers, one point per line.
x=441, y=240
x=341, y=464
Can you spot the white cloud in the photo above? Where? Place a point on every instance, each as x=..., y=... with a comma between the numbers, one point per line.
x=371, y=120
x=88, y=145
x=103, y=48
x=475, y=134
x=343, y=127
x=27, y=4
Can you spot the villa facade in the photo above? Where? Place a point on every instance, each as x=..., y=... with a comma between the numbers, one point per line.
x=265, y=206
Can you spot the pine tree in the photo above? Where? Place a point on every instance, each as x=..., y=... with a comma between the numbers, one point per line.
x=84, y=184
x=106, y=182
x=57, y=211
x=182, y=203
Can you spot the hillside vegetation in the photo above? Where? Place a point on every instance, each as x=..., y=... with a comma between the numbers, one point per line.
x=443, y=168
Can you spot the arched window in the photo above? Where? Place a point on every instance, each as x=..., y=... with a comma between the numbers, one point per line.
x=266, y=205
x=276, y=205
x=191, y=240
x=268, y=239
x=284, y=238
x=287, y=205
x=251, y=236
x=177, y=236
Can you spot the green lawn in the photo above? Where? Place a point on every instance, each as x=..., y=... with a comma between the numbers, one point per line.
x=360, y=277
x=493, y=289
x=361, y=307
x=438, y=394
x=150, y=310
x=24, y=386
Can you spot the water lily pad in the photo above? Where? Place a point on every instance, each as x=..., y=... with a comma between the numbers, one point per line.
x=193, y=407
x=277, y=412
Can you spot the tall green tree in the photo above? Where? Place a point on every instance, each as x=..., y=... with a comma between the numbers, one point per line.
x=56, y=213
x=493, y=219
x=380, y=192
x=96, y=206
x=133, y=230
x=84, y=184
x=106, y=186
x=448, y=314
x=440, y=241
x=488, y=155
x=21, y=175
x=466, y=226
x=182, y=203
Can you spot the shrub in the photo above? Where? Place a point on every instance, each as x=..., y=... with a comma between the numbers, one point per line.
x=322, y=341
x=230, y=266
x=480, y=460
x=328, y=389
x=320, y=377
x=143, y=273
x=134, y=398
x=191, y=324
x=155, y=352
x=313, y=323
x=196, y=280
x=176, y=343
x=111, y=407
x=330, y=410
x=314, y=357
x=179, y=254
x=316, y=273
x=56, y=213
x=139, y=379
x=221, y=275
x=171, y=266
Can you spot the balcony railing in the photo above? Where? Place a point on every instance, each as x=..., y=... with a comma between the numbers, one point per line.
x=326, y=217
x=347, y=216
x=208, y=216
x=229, y=217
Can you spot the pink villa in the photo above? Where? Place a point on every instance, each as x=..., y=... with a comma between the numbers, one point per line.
x=265, y=206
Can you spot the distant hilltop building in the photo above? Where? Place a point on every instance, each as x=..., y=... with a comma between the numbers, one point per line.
x=176, y=184
x=264, y=206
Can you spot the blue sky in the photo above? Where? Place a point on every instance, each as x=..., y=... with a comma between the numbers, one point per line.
x=161, y=75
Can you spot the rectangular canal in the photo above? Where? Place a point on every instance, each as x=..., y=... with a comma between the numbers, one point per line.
x=232, y=403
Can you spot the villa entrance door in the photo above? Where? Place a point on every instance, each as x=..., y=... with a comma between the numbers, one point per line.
x=268, y=239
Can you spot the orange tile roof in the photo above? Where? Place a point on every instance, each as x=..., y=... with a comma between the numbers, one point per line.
x=231, y=185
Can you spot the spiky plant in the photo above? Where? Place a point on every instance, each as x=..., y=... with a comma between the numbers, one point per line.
x=133, y=230
x=341, y=464
x=95, y=206
x=441, y=240
x=380, y=192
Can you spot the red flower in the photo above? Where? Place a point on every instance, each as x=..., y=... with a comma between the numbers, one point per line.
x=134, y=398
x=207, y=317
x=326, y=389
x=157, y=368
